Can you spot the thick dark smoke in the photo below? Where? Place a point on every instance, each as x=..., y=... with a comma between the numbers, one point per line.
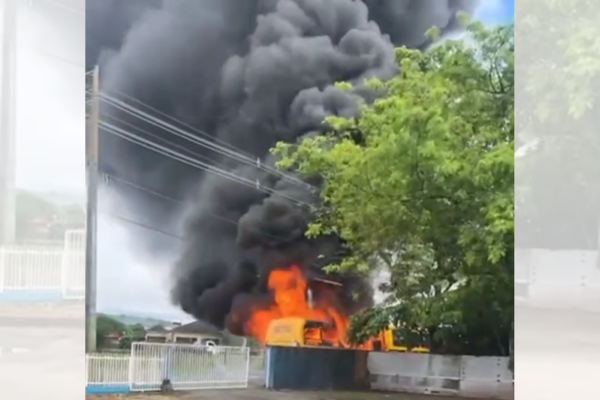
x=251, y=73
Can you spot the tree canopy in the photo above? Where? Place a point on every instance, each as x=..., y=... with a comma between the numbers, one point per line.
x=422, y=184
x=106, y=325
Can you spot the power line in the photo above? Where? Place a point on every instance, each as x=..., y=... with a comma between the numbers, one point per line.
x=173, y=154
x=181, y=157
x=110, y=177
x=255, y=162
x=173, y=119
x=160, y=139
x=192, y=161
x=216, y=147
x=141, y=225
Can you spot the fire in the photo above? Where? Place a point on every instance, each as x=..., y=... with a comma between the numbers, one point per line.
x=289, y=288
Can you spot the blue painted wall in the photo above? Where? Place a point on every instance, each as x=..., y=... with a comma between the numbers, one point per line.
x=107, y=389
x=302, y=368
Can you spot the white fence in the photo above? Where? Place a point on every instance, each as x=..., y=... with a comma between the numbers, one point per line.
x=107, y=373
x=44, y=273
x=187, y=367
x=462, y=376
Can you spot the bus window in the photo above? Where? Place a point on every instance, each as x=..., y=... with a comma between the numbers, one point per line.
x=399, y=338
x=410, y=339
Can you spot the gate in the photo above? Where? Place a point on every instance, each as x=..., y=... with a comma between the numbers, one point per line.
x=188, y=367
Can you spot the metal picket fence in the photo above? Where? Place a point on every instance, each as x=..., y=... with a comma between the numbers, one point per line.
x=44, y=273
x=107, y=373
x=187, y=367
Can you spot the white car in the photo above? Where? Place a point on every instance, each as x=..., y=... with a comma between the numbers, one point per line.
x=211, y=347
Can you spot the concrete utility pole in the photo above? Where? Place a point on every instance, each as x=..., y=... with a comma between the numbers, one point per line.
x=93, y=102
x=7, y=122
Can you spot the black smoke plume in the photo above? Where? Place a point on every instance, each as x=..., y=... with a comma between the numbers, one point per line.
x=250, y=73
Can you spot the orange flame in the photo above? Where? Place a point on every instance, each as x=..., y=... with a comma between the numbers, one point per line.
x=289, y=288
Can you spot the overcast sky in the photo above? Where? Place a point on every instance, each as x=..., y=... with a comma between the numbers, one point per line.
x=50, y=139
x=50, y=83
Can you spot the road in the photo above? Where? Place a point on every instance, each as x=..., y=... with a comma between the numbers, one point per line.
x=558, y=352
x=262, y=394
x=41, y=358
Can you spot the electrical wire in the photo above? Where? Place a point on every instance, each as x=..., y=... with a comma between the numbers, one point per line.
x=160, y=139
x=139, y=224
x=220, y=147
x=110, y=128
x=210, y=144
x=108, y=178
x=196, y=130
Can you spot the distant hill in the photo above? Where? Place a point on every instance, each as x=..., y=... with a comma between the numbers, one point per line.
x=134, y=320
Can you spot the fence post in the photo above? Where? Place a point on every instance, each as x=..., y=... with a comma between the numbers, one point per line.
x=247, y=350
x=168, y=361
x=132, y=366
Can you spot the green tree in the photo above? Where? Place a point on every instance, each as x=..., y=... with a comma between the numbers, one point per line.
x=106, y=325
x=422, y=183
x=133, y=333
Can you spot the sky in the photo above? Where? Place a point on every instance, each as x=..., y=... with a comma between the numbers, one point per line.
x=496, y=11
x=50, y=121
x=50, y=130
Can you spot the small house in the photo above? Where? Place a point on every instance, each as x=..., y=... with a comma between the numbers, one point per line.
x=196, y=332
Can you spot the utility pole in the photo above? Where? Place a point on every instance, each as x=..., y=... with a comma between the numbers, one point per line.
x=7, y=122
x=93, y=88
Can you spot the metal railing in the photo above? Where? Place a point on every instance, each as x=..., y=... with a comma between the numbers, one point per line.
x=44, y=273
x=107, y=369
x=186, y=367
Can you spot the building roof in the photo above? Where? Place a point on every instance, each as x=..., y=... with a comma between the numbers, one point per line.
x=197, y=327
x=157, y=329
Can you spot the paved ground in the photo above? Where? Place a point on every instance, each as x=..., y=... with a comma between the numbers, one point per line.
x=39, y=355
x=262, y=394
x=558, y=353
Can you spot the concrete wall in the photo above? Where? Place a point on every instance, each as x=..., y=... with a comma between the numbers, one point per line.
x=463, y=376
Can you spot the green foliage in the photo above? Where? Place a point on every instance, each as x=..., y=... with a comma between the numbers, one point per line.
x=133, y=333
x=106, y=325
x=422, y=184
